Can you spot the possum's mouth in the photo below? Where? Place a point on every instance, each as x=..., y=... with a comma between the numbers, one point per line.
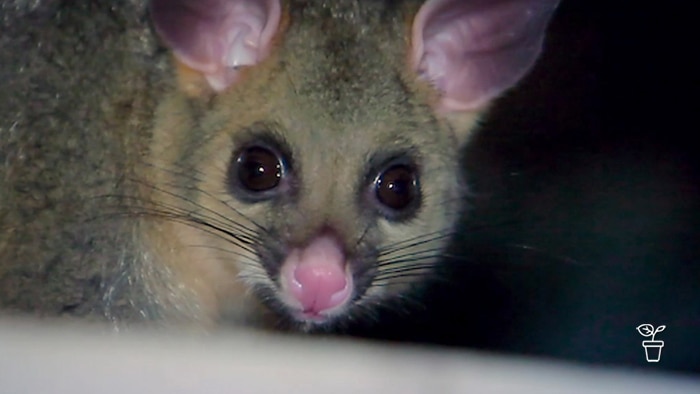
x=317, y=313
x=316, y=284
x=292, y=313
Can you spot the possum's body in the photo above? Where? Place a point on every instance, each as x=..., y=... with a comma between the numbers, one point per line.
x=136, y=186
x=79, y=86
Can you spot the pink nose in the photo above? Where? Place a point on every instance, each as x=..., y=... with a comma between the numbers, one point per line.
x=316, y=276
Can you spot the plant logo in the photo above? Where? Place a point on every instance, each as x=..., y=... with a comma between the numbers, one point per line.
x=652, y=348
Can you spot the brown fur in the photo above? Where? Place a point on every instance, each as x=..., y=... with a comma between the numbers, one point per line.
x=74, y=121
x=337, y=90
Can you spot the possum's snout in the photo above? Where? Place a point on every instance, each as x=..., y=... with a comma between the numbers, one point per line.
x=315, y=280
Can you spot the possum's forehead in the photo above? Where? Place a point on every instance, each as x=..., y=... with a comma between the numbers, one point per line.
x=341, y=94
x=346, y=62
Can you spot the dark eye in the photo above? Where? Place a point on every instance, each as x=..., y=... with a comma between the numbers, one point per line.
x=396, y=187
x=259, y=169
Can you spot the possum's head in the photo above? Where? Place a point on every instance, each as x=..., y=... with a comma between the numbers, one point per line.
x=314, y=145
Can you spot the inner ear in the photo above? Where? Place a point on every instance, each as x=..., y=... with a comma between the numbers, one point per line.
x=216, y=38
x=471, y=51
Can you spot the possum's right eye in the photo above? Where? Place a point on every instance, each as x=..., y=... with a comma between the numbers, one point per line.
x=257, y=172
x=259, y=169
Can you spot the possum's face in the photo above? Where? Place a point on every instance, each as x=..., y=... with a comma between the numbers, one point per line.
x=324, y=177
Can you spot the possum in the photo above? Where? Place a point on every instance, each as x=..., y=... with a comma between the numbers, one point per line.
x=257, y=162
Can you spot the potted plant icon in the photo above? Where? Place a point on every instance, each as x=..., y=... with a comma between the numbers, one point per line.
x=651, y=348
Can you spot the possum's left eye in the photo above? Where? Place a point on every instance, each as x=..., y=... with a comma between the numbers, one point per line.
x=396, y=187
x=396, y=190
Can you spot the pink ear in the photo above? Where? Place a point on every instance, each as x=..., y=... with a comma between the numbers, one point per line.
x=216, y=37
x=473, y=50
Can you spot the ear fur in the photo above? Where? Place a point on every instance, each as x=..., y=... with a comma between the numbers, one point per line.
x=217, y=38
x=471, y=51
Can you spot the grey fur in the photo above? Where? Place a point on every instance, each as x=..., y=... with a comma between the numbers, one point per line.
x=72, y=77
x=81, y=82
